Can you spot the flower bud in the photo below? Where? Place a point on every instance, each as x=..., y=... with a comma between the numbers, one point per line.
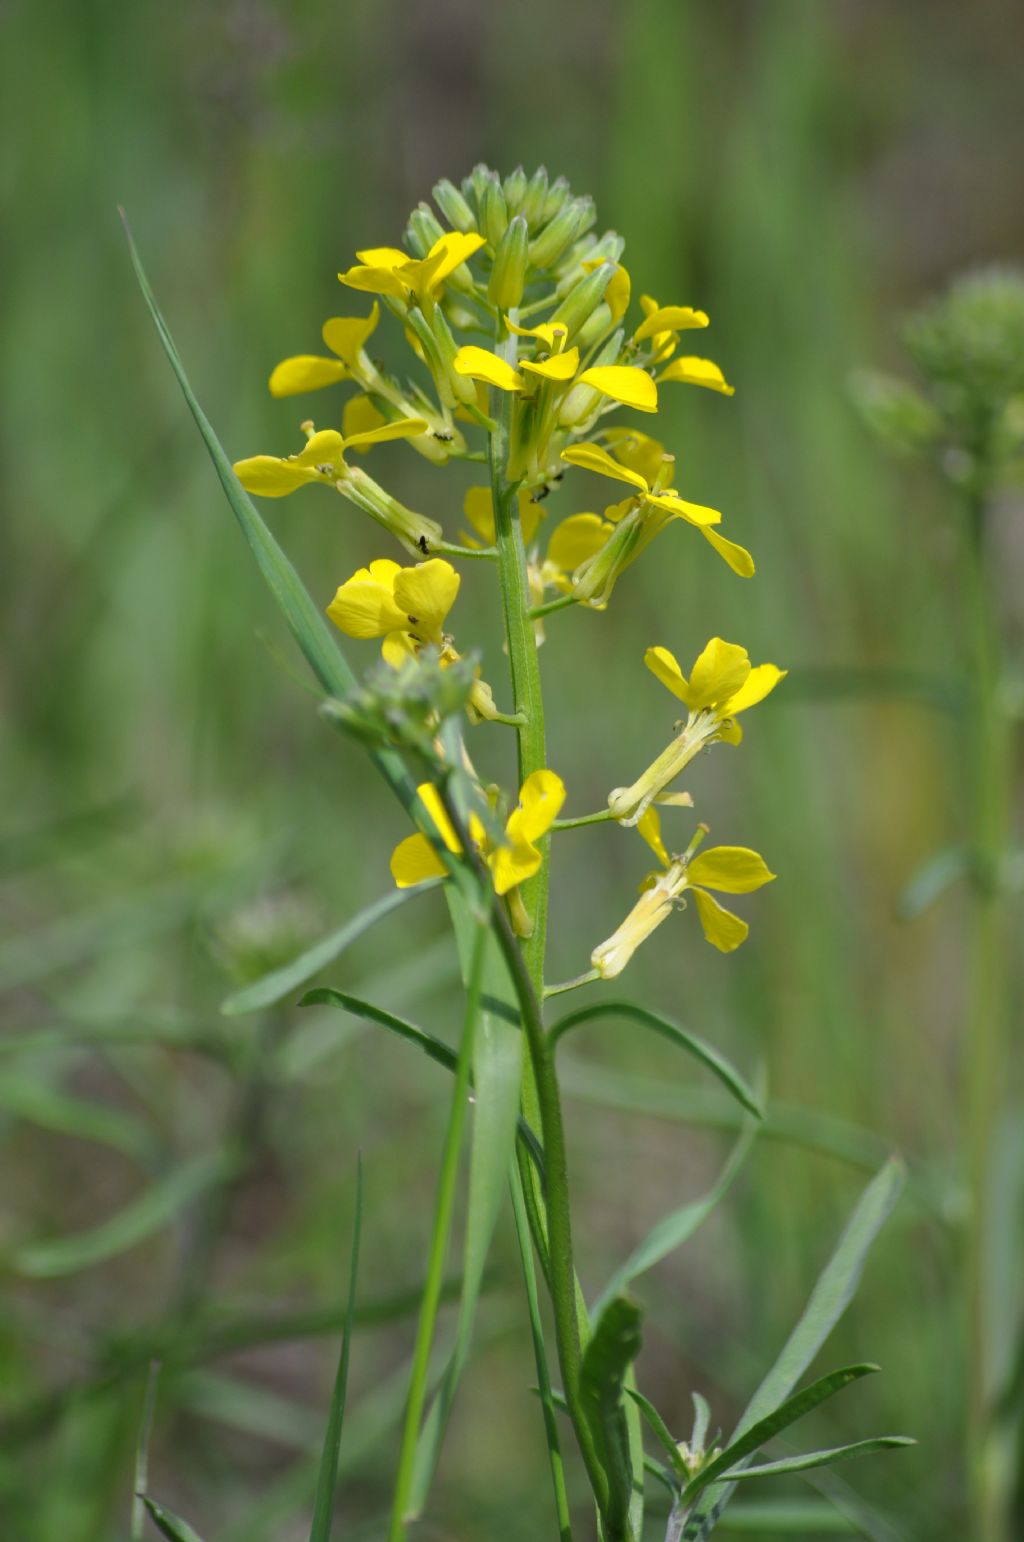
x=473, y=186
x=556, y=195
x=536, y=197
x=493, y=213
x=452, y=386
x=583, y=299
x=417, y=533
x=508, y=276
x=595, y=326
x=424, y=229
x=546, y=248
x=515, y=190
x=453, y=206
x=583, y=401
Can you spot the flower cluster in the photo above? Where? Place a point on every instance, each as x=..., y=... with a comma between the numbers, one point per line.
x=518, y=317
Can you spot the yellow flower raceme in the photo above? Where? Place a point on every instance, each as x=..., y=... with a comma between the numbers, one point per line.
x=511, y=862
x=387, y=270
x=722, y=684
x=638, y=521
x=624, y=383
x=727, y=869
x=323, y=460
x=407, y=607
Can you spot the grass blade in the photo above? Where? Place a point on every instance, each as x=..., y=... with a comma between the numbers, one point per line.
x=823, y=1458
x=280, y=982
x=142, y=1453
x=681, y=1037
x=780, y=1418
x=662, y=1434
x=130, y=1226
x=327, y=1477
x=172, y=1526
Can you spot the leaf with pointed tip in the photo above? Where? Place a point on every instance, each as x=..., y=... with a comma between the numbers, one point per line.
x=662, y=1434
x=701, y=1422
x=822, y=1458
x=172, y=1526
x=613, y=1346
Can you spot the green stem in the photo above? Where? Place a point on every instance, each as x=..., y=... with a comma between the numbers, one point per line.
x=599, y=818
x=985, y=1048
x=552, y=605
x=443, y=1209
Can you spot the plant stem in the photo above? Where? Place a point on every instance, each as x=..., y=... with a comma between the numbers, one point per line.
x=443, y=1209
x=584, y=819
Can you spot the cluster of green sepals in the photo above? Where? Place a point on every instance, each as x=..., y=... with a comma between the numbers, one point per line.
x=411, y=722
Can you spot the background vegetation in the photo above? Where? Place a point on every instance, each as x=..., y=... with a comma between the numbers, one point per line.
x=175, y=817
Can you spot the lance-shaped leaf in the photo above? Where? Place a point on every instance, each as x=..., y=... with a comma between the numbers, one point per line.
x=613, y=1346
x=168, y=1524
x=826, y=1458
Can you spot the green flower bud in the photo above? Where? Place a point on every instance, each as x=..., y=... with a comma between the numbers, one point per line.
x=417, y=533
x=581, y=301
x=595, y=326
x=583, y=401
x=546, y=248
x=515, y=190
x=456, y=388
x=473, y=186
x=536, y=197
x=453, y=206
x=424, y=229
x=508, y=276
x=557, y=193
x=493, y=213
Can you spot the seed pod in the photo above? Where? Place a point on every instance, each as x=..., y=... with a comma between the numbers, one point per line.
x=508, y=276
x=453, y=206
x=536, y=197
x=546, y=248
x=493, y=213
x=515, y=190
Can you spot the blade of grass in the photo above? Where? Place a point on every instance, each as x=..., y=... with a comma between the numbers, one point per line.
x=327, y=1477
x=825, y=1458
x=141, y=1484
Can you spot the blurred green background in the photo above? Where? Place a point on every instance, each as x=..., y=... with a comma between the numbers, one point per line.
x=174, y=814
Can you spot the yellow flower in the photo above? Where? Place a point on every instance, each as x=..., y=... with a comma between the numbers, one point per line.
x=389, y=271
x=662, y=324
x=323, y=460
x=639, y=520
x=511, y=862
x=346, y=336
x=407, y=607
x=702, y=372
x=722, y=684
x=728, y=869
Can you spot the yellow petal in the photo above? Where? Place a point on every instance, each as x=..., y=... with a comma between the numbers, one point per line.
x=431, y=800
x=453, y=248
x=698, y=372
x=717, y=674
x=738, y=558
x=425, y=594
x=592, y=458
x=374, y=280
x=540, y=799
x=481, y=364
x=664, y=666
x=730, y=869
x=576, y=539
x=383, y=256
x=414, y=860
x=560, y=366
x=721, y=928
x=346, y=335
x=551, y=333
x=305, y=372
x=642, y=454
x=757, y=686
x=617, y=294
x=649, y=826
x=400, y=428
x=324, y=450
x=479, y=510
x=271, y=477
x=693, y=513
x=364, y=606
x=397, y=649
x=624, y=383
x=359, y=416
x=668, y=318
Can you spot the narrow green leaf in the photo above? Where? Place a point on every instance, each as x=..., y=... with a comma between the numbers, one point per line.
x=780, y=1418
x=676, y=1228
x=681, y=1037
x=307, y=625
x=142, y=1453
x=327, y=996
x=822, y=1458
x=130, y=1226
x=281, y=982
x=701, y=1422
x=614, y=1345
x=661, y=1433
x=828, y=1301
x=327, y=1477
x=53, y=1109
x=172, y=1526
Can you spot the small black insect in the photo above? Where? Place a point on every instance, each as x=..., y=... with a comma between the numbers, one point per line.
x=422, y=544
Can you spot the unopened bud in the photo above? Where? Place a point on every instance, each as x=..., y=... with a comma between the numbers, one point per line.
x=582, y=300
x=424, y=229
x=473, y=186
x=454, y=387
x=508, y=276
x=546, y=248
x=583, y=400
x=536, y=197
x=595, y=326
x=493, y=213
x=515, y=190
x=556, y=195
x=417, y=533
x=453, y=206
